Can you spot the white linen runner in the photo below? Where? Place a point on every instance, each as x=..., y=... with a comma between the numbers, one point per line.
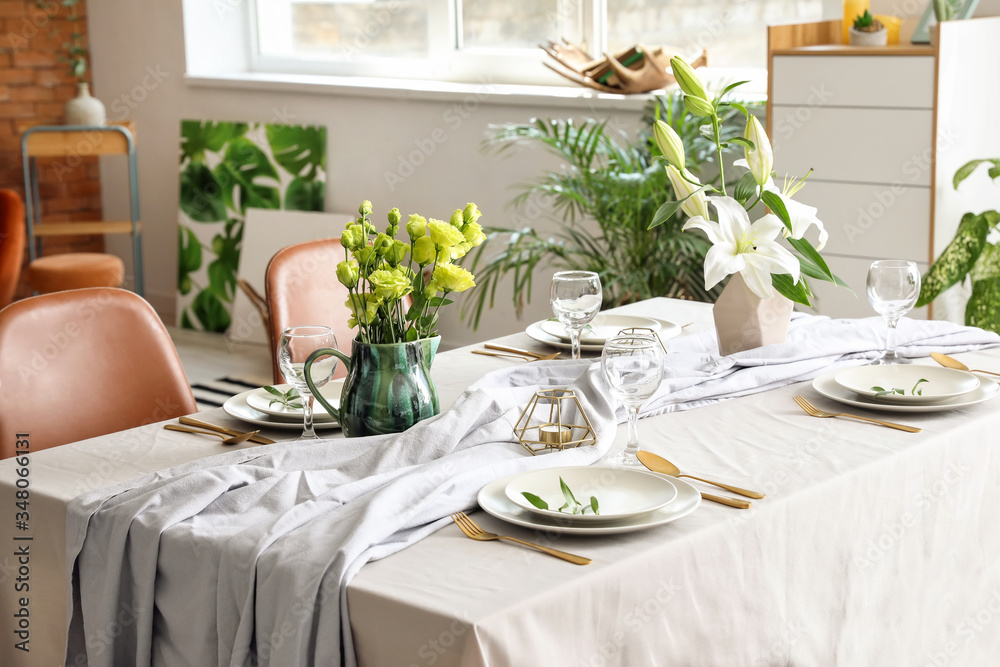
x=259, y=545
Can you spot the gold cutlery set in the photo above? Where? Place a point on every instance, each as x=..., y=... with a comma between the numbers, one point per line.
x=514, y=353
x=229, y=436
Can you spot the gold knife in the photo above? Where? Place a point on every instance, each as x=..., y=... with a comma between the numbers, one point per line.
x=190, y=421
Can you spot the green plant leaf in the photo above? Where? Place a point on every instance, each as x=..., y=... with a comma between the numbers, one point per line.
x=593, y=505
x=773, y=202
x=797, y=292
x=247, y=178
x=983, y=309
x=806, y=249
x=210, y=312
x=567, y=494
x=304, y=195
x=300, y=150
x=274, y=391
x=201, y=196
x=740, y=141
x=197, y=137
x=957, y=259
x=535, y=500
x=188, y=258
x=745, y=188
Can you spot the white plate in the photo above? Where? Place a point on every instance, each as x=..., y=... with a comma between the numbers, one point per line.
x=601, y=328
x=535, y=331
x=494, y=501
x=260, y=400
x=237, y=407
x=827, y=386
x=942, y=383
x=620, y=492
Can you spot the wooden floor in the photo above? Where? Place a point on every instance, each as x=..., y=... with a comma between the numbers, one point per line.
x=210, y=356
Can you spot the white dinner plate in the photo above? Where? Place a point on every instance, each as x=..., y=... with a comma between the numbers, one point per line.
x=237, y=407
x=535, y=331
x=493, y=499
x=601, y=328
x=620, y=492
x=260, y=400
x=941, y=383
x=826, y=385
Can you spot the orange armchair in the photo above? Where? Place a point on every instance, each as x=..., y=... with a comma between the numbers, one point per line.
x=83, y=363
x=11, y=244
x=301, y=287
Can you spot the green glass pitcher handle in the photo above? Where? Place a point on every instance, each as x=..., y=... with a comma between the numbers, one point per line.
x=322, y=352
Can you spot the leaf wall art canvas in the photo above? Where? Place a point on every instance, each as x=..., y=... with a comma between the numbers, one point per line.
x=226, y=168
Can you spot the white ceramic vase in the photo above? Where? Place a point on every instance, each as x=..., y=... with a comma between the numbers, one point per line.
x=861, y=38
x=744, y=321
x=84, y=109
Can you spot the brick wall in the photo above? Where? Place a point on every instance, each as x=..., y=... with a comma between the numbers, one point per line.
x=34, y=86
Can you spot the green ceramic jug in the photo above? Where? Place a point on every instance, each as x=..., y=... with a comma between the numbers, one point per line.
x=388, y=387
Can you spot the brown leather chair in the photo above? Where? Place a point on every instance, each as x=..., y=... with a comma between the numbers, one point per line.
x=84, y=363
x=301, y=287
x=11, y=244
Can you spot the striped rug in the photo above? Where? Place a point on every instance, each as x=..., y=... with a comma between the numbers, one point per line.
x=213, y=394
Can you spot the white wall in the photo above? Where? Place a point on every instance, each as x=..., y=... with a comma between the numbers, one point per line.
x=367, y=136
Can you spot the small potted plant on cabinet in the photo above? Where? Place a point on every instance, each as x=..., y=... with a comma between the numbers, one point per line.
x=868, y=31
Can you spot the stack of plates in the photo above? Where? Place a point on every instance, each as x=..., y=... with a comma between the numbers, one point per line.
x=628, y=500
x=254, y=407
x=943, y=389
x=603, y=327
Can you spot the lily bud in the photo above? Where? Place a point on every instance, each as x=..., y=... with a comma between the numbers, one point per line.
x=698, y=106
x=696, y=204
x=761, y=160
x=687, y=79
x=669, y=143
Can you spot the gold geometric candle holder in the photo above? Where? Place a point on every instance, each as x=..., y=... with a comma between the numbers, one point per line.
x=561, y=430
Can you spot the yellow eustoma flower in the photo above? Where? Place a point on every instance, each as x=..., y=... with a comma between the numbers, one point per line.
x=453, y=278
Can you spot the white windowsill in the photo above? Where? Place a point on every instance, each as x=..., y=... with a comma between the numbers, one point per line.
x=576, y=97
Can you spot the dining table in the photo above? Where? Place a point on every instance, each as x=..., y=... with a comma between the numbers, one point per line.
x=873, y=546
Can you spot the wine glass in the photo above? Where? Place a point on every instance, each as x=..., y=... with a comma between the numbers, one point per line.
x=633, y=369
x=575, y=297
x=893, y=288
x=297, y=343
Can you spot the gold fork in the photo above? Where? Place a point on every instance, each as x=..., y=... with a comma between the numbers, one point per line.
x=469, y=527
x=815, y=412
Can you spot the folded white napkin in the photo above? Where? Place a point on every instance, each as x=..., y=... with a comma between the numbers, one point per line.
x=246, y=555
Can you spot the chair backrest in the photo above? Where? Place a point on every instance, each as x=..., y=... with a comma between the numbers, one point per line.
x=11, y=244
x=301, y=287
x=84, y=363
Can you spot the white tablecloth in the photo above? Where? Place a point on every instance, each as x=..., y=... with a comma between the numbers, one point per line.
x=873, y=547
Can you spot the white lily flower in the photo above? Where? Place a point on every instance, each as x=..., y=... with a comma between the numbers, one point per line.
x=696, y=204
x=760, y=161
x=802, y=216
x=739, y=246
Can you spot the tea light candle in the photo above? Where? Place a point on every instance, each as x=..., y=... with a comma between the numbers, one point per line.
x=554, y=434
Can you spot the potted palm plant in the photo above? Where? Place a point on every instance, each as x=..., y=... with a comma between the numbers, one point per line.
x=616, y=182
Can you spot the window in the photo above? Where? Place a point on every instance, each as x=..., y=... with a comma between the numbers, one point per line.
x=497, y=40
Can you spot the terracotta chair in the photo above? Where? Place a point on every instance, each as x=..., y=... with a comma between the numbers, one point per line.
x=11, y=244
x=84, y=363
x=301, y=287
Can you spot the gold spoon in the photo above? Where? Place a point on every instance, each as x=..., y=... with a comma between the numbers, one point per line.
x=226, y=440
x=661, y=465
x=950, y=362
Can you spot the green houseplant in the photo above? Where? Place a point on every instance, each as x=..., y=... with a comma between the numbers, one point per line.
x=971, y=254
x=617, y=182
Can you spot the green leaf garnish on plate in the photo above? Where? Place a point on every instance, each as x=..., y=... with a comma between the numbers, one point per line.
x=571, y=503
x=287, y=399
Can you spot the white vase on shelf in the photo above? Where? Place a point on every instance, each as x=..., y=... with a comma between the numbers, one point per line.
x=85, y=109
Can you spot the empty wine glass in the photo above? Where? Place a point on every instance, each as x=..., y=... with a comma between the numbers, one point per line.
x=297, y=343
x=893, y=288
x=633, y=369
x=575, y=297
